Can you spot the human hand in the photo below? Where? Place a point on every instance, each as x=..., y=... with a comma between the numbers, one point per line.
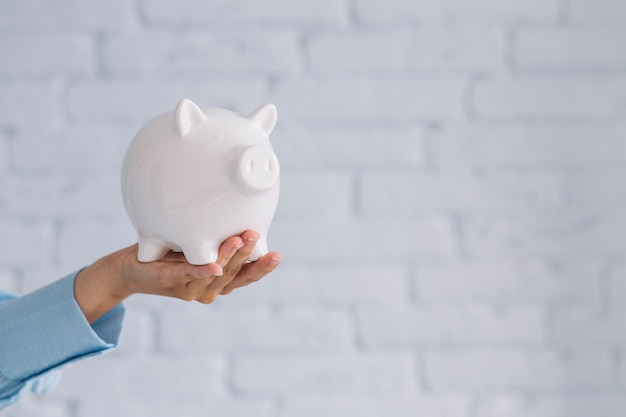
x=111, y=279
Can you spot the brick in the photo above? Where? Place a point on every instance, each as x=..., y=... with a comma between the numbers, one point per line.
x=83, y=241
x=358, y=52
x=594, y=191
x=201, y=53
x=457, y=11
x=616, y=277
x=252, y=329
x=349, y=239
x=41, y=197
x=507, y=281
x=151, y=303
x=329, y=284
x=313, y=374
x=168, y=404
x=138, y=101
x=444, y=325
x=428, y=49
x=139, y=335
x=597, y=48
x=570, y=404
x=589, y=326
x=358, y=100
x=33, y=277
x=64, y=15
x=26, y=241
x=403, y=194
x=315, y=195
x=602, y=11
x=5, y=158
x=519, y=145
x=74, y=150
x=145, y=376
x=540, y=371
x=65, y=55
x=457, y=48
x=189, y=13
x=375, y=405
x=552, y=235
x=550, y=98
x=348, y=148
x=23, y=103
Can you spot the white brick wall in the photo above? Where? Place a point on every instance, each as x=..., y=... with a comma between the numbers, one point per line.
x=544, y=98
x=562, y=147
x=452, y=215
x=325, y=374
x=98, y=100
x=451, y=325
x=459, y=11
x=584, y=48
x=504, y=281
x=30, y=55
x=433, y=49
x=32, y=102
x=41, y=16
x=194, y=14
x=231, y=53
x=532, y=370
x=601, y=12
x=358, y=100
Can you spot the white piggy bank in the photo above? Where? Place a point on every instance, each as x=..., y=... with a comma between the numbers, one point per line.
x=193, y=177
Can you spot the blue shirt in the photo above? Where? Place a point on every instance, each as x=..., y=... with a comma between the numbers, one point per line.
x=45, y=330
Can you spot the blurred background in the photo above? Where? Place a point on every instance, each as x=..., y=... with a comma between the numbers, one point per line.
x=452, y=215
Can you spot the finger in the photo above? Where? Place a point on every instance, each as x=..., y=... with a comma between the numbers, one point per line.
x=197, y=289
x=216, y=286
x=233, y=266
x=249, y=238
x=204, y=271
x=184, y=280
x=228, y=250
x=254, y=271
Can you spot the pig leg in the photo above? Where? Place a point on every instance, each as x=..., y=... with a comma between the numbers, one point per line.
x=151, y=248
x=201, y=253
x=259, y=250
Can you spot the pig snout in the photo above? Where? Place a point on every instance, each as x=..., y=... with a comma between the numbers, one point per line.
x=257, y=167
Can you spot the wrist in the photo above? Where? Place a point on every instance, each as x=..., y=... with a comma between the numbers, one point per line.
x=99, y=287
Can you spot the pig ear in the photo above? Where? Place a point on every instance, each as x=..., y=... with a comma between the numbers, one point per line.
x=265, y=116
x=186, y=115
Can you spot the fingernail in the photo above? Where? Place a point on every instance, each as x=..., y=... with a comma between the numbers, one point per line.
x=251, y=241
x=275, y=261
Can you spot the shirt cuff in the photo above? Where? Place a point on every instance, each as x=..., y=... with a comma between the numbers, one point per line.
x=46, y=329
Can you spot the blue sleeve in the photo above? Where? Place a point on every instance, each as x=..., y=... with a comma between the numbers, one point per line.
x=45, y=330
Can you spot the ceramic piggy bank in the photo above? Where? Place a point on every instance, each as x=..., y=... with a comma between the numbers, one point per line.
x=193, y=177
